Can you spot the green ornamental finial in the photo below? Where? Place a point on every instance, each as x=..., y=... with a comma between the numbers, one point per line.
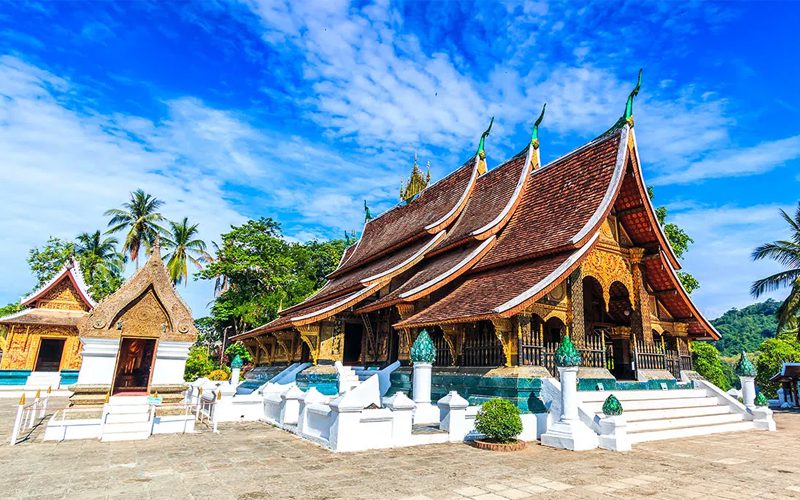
x=535, y=133
x=367, y=213
x=237, y=362
x=612, y=407
x=629, y=104
x=761, y=400
x=481, y=151
x=744, y=368
x=423, y=350
x=566, y=354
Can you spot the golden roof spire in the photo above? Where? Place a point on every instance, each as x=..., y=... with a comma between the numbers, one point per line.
x=416, y=183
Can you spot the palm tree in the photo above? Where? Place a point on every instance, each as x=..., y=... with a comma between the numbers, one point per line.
x=184, y=248
x=141, y=217
x=99, y=256
x=787, y=253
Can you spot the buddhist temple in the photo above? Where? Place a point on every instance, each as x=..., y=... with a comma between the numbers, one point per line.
x=497, y=265
x=42, y=339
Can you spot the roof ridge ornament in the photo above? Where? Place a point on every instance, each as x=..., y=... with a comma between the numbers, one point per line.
x=629, y=104
x=535, y=133
x=481, y=153
x=367, y=213
x=417, y=182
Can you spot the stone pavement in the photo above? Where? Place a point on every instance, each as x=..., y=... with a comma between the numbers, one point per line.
x=254, y=460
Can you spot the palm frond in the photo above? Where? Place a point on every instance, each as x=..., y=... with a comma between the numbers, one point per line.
x=774, y=282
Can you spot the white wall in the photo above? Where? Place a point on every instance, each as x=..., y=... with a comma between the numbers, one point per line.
x=99, y=358
x=170, y=362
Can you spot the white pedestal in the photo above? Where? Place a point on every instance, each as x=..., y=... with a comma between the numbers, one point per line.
x=424, y=412
x=569, y=432
x=748, y=392
x=235, y=376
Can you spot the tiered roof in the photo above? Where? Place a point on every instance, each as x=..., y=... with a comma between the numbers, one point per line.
x=501, y=240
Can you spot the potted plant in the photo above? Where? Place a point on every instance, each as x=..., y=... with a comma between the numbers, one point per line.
x=498, y=420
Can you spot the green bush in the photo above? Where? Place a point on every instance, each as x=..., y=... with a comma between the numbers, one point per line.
x=221, y=374
x=199, y=364
x=237, y=348
x=499, y=419
x=708, y=363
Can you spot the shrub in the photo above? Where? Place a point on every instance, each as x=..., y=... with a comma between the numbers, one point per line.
x=772, y=354
x=708, y=363
x=199, y=364
x=499, y=419
x=221, y=374
x=237, y=348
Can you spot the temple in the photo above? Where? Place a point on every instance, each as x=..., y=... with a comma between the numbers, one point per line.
x=498, y=266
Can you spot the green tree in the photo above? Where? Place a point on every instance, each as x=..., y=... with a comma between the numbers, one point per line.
x=238, y=349
x=771, y=356
x=787, y=253
x=46, y=261
x=744, y=329
x=263, y=272
x=209, y=334
x=10, y=309
x=184, y=247
x=678, y=240
x=141, y=218
x=708, y=363
x=102, y=265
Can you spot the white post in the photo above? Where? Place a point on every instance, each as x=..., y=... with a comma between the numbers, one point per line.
x=402, y=418
x=46, y=400
x=421, y=383
x=18, y=420
x=345, y=434
x=614, y=434
x=569, y=432
x=453, y=416
x=313, y=396
x=290, y=406
x=748, y=392
x=235, y=376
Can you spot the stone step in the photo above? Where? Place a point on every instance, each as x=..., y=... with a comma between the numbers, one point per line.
x=634, y=416
x=126, y=427
x=676, y=423
x=655, y=404
x=640, y=437
x=128, y=409
x=127, y=400
x=126, y=418
x=594, y=396
x=125, y=436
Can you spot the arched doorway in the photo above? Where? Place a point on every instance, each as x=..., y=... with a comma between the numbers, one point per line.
x=619, y=340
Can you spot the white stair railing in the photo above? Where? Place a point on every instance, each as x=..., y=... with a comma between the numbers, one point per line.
x=29, y=414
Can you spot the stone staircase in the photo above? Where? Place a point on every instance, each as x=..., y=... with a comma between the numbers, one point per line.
x=654, y=415
x=43, y=380
x=348, y=378
x=128, y=419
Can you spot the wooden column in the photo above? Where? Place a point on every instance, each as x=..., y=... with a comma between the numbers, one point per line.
x=405, y=311
x=454, y=336
x=640, y=316
x=504, y=329
x=576, y=323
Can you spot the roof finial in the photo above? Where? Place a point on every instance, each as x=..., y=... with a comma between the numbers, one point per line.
x=367, y=214
x=416, y=183
x=535, y=133
x=629, y=104
x=481, y=151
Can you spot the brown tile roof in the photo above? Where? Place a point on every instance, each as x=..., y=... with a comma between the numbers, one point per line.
x=430, y=212
x=482, y=294
x=41, y=316
x=491, y=196
x=560, y=199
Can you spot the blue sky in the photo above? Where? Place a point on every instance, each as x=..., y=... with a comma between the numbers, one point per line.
x=300, y=110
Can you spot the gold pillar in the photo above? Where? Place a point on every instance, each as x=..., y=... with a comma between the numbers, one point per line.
x=640, y=316
x=507, y=335
x=454, y=336
x=310, y=335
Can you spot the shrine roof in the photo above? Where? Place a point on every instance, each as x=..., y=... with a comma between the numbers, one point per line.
x=563, y=202
x=491, y=293
x=70, y=271
x=42, y=316
x=428, y=213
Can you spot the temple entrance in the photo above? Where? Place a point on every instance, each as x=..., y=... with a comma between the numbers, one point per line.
x=621, y=366
x=134, y=366
x=49, y=357
x=353, y=333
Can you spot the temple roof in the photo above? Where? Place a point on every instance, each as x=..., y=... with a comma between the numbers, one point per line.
x=70, y=271
x=502, y=240
x=42, y=316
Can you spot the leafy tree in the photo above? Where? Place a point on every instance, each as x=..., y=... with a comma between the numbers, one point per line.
x=100, y=264
x=771, y=355
x=10, y=309
x=208, y=333
x=198, y=364
x=708, y=363
x=744, y=329
x=141, y=218
x=679, y=241
x=184, y=247
x=263, y=273
x=238, y=349
x=787, y=253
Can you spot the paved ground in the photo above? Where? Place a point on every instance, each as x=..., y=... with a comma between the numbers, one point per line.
x=252, y=461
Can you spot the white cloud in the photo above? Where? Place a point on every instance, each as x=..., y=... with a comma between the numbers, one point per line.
x=720, y=257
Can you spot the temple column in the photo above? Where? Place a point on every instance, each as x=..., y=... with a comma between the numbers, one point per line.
x=506, y=334
x=640, y=316
x=575, y=317
x=454, y=336
x=310, y=335
x=405, y=311
x=523, y=333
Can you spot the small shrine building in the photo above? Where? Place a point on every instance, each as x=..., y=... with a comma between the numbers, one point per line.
x=497, y=266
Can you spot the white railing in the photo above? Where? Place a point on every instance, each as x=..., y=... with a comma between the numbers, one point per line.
x=204, y=408
x=29, y=414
